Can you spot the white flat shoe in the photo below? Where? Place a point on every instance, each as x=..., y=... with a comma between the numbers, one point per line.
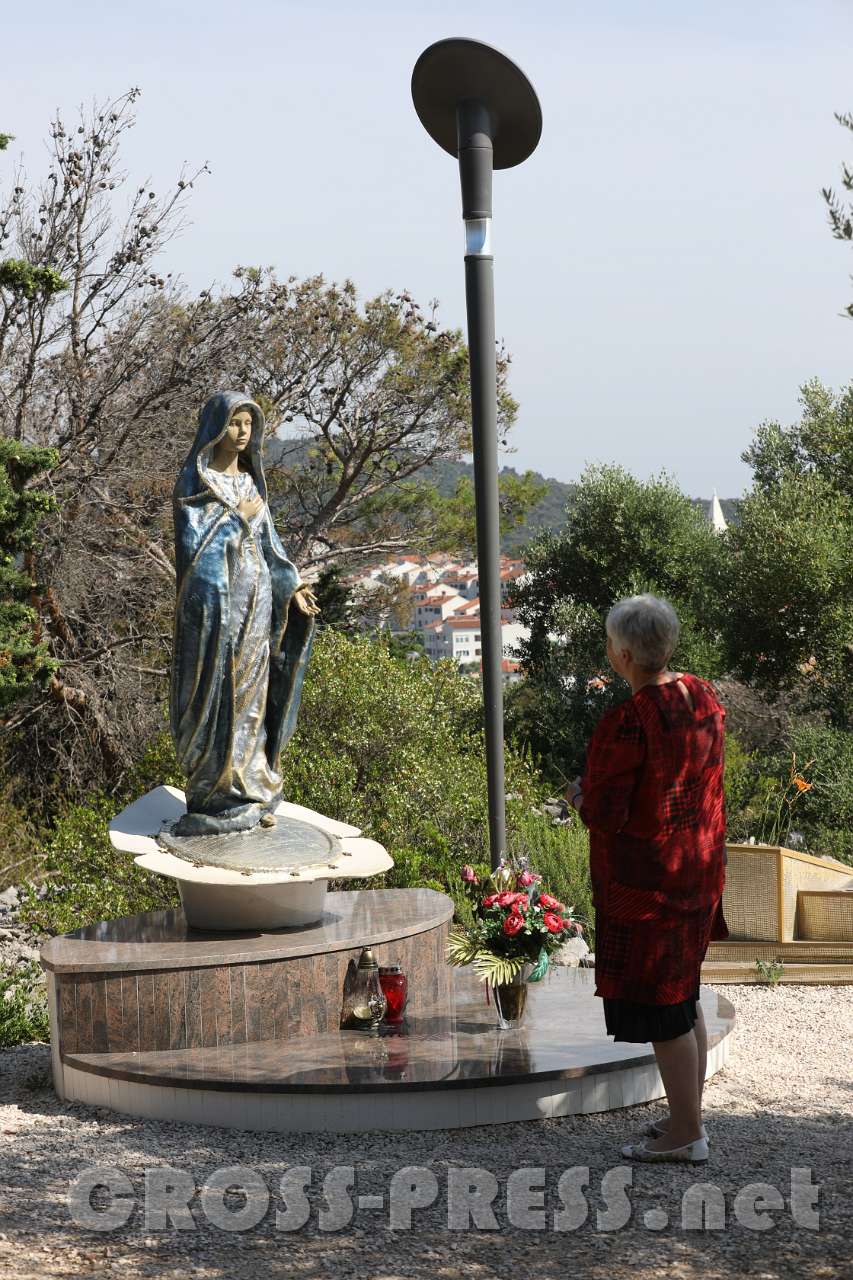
x=654, y=1130
x=692, y=1153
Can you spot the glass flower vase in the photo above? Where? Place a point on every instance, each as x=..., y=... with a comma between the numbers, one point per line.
x=511, y=1000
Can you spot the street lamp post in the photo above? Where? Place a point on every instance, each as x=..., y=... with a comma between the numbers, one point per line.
x=477, y=105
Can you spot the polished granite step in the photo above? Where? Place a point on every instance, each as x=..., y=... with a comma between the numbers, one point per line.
x=444, y=1067
x=149, y=983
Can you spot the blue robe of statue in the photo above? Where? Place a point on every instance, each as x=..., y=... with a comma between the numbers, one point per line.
x=240, y=652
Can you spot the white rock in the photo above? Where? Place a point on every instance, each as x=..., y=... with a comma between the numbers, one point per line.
x=572, y=952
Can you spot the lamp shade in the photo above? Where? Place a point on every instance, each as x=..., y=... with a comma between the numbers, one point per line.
x=459, y=70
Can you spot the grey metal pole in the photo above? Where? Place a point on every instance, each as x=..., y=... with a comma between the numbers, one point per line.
x=480, y=107
x=475, y=170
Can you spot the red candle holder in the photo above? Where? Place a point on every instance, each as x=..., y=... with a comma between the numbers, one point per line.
x=395, y=988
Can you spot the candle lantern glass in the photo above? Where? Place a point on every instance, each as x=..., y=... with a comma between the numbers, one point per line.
x=395, y=988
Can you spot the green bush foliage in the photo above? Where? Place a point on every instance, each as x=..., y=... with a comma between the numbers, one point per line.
x=391, y=745
x=623, y=536
x=755, y=794
x=560, y=854
x=764, y=801
x=87, y=879
x=23, y=1005
x=21, y=852
x=394, y=747
x=739, y=781
x=25, y=660
x=824, y=814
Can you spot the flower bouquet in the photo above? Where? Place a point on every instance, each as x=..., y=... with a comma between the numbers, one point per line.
x=515, y=931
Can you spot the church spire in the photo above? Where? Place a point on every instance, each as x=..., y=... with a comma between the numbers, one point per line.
x=718, y=520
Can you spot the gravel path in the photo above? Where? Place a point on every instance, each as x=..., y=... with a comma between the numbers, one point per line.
x=784, y=1101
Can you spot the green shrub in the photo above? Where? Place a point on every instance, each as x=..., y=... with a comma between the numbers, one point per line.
x=390, y=745
x=739, y=782
x=824, y=814
x=82, y=878
x=394, y=747
x=753, y=789
x=87, y=879
x=560, y=854
x=765, y=801
x=22, y=850
x=23, y=1005
x=770, y=971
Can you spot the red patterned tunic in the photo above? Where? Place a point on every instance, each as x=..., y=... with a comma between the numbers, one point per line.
x=653, y=802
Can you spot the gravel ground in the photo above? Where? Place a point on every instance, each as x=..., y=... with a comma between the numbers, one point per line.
x=783, y=1102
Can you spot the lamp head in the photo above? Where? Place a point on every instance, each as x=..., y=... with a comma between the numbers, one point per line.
x=498, y=99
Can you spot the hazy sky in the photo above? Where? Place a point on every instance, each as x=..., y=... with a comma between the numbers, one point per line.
x=665, y=277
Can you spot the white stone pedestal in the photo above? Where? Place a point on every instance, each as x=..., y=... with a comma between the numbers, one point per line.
x=220, y=898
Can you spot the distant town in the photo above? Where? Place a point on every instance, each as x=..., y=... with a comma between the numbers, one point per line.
x=443, y=598
x=437, y=598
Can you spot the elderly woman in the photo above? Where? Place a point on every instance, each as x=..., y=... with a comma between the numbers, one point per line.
x=652, y=798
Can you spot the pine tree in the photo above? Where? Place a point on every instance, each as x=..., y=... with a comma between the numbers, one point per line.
x=24, y=657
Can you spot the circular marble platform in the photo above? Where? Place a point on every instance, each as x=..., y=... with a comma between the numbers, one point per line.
x=446, y=1066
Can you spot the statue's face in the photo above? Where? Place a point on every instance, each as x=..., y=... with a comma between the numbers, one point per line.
x=238, y=433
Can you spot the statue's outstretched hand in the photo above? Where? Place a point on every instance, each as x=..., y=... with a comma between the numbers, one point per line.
x=306, y=601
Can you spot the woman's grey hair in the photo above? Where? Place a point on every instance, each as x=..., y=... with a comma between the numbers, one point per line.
x=648, y=626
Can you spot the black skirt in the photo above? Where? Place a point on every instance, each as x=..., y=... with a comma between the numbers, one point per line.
x=643, y=1023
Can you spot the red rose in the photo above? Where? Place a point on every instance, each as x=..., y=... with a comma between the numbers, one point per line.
x=551, y=904
x=490, y=900
x=552, y=922
x=508, y=899
x=513, y=923
x=528, y=878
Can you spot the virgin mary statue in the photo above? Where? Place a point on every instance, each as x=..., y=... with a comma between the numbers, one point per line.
x=243, y=627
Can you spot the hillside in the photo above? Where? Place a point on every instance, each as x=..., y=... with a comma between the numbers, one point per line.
x=550, y=513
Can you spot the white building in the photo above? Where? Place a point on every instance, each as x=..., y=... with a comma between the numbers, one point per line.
x=460, y=638
x=411, y=571
x=464, y=579
x=434, y=604
x=456, y=638
x=512, y=634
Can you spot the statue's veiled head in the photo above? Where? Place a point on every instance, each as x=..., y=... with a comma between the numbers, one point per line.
x=224, y=415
